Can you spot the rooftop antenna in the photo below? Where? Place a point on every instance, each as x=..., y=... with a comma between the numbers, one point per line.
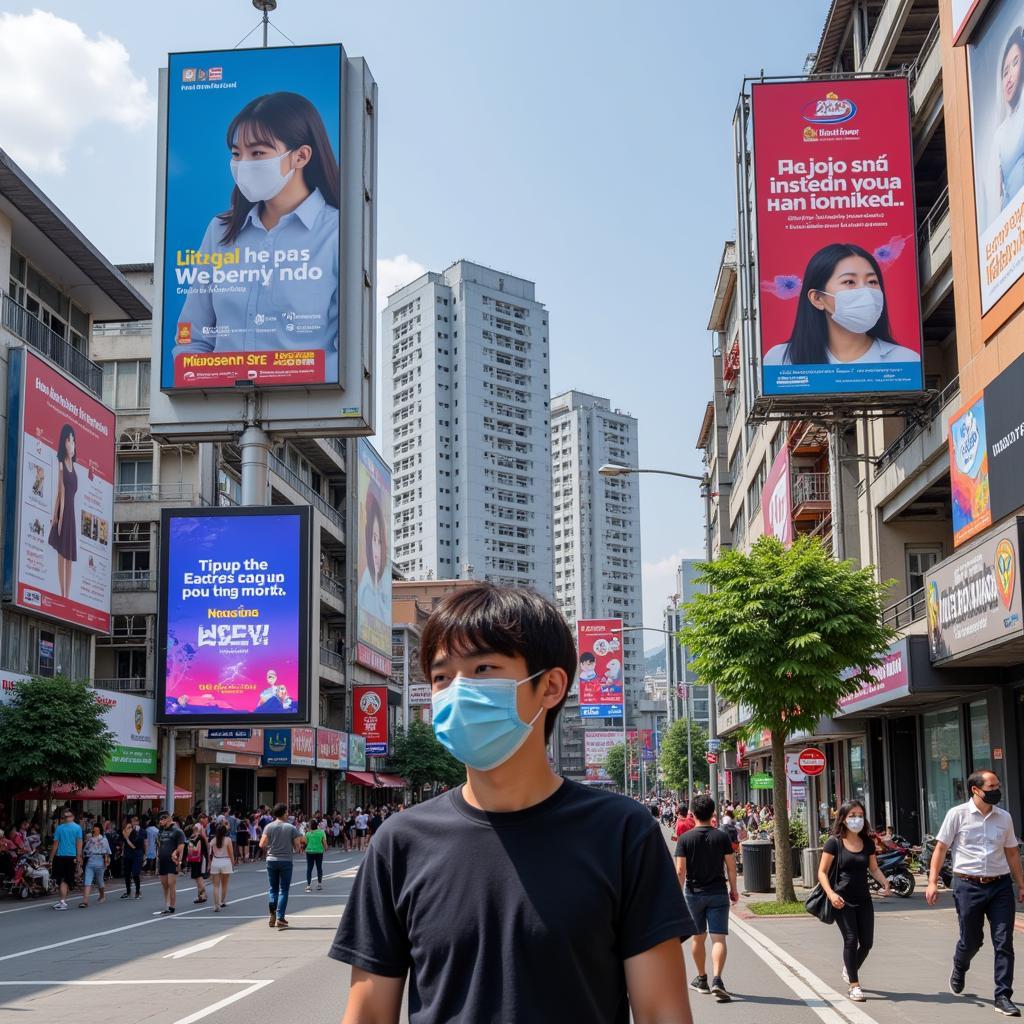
x=266, y=6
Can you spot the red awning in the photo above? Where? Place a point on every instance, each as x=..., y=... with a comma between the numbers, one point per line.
x=112, y=787
x=387, y=781
x=361, y=779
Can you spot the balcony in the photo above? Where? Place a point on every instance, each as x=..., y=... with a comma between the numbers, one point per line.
x=21, y=323
x=154, y=492
x=297, y=484
x=333, y=591
x=907, y=610
x=332, y=665
x=811, y=496
x=925, y=74
x=135, y=684
x=131, y=579
x=936, y=251
x=823, y=531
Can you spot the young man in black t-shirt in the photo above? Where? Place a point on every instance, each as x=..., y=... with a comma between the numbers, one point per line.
x=704, y=856
x=518, y=896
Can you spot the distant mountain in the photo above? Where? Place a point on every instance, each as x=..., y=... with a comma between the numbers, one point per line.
x=654, y=660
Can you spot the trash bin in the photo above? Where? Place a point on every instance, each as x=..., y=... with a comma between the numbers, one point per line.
x=811, y=858
x=757, y=866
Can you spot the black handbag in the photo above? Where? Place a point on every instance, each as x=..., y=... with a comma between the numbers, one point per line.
x=817, y=903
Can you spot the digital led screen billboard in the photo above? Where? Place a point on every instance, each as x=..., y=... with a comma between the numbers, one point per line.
x=837, y=269
x=59, y=495
x=373, y=542
x=234, y=616
x=252, y=223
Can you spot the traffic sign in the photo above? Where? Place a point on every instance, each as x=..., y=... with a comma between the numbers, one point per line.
x=711, y=757
x=811, y=761
x=714, y=744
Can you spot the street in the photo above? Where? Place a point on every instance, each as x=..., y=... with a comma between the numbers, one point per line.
x=118, y=962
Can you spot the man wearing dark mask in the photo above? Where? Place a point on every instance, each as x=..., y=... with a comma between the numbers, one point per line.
x=986, y=867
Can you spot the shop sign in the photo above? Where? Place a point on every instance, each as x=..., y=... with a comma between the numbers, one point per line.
x=8, y=682
x=229, y=734
x=370, y=713
x=974, y=599
x=889, y=681
x=328, y=749
x=304, y=747
x=277, y=747
x=761, y=780
x=419, y=694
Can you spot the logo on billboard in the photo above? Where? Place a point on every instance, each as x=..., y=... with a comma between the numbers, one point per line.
x=369, y=703
x=830, y=110
x=1005, y=570
x=968, y=443
x=215, y=74
x=140, y=718
x=188, y=74
x=277, y=741
x=184, y=334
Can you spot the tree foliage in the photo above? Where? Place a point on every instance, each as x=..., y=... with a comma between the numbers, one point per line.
x=673, y=755
x=54, y=731
x=775, y=632
x=615, y=764
x=422, y=761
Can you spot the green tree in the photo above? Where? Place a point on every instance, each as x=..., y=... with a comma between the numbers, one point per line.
x=775, y=632
x=615, y=764
x=673, y=755
x=54, y=731
x=419, y=758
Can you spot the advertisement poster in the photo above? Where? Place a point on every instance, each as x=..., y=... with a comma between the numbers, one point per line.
x=277, y=747
x=304, y=747
x=968, y=471
x=234, y=612
x=419, y=694
x=996, y=75
x=356, y=753
x=777, y=500
x=964, y=15
x=251, y=218
x=596, y=744
x=836, y=238
x=601, y=686
x=889, y=681
x=373, y=600
x=328, y=749
x=974, y=599
x=59, y=496
x=8, y=684
x=370, y=717
x=131, y=720
x=1004, y=432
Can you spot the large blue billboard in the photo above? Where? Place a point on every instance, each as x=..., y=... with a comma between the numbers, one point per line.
x=251, y=247
x=234, y=615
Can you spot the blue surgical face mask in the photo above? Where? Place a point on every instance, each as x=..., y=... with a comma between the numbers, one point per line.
x=478, y=722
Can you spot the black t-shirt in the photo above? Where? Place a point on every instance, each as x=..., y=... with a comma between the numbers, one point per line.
x=520, y=916
x=168, y=840
x=138, y=840
x=705, y=849
x=852, y=880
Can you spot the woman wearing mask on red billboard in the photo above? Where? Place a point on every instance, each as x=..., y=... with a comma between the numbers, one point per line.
x=841, y=315
x=64, y=525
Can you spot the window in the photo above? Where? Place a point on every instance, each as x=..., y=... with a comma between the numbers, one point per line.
x=134, y=560
x=134, y=476
x=131, y=664
x=943, y=765
x=126, y=383
x=920, y=561
x=981, y=748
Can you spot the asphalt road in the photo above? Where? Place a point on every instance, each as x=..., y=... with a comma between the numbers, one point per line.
x=118, y=964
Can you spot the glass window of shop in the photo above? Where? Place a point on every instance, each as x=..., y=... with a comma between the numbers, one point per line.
x=981, y=747
x=944, y=772
x=858, y=778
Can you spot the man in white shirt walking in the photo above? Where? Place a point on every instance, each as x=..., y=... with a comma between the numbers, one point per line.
x=985, y=856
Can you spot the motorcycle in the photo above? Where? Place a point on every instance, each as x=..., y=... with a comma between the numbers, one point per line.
x=946, y=871
x=894, y=865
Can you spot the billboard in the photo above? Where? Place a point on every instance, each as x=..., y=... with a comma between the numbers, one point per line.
x=974, y=599
x=370, y=717
x=356, y=753
x=996, y=77
x=889, y=681
x=596, y=744
x=130, y=719
x=836, y=238
x=58, y=496
x=601, y=686
x=965, y=15
x=968, y=471
x=304, y=747
x=252, y=222
x=373, y=542
x=233, y=633
x=277, y=747
x=328, y=749
x=777, y=499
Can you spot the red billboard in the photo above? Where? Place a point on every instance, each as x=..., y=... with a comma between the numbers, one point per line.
x=836, y=238
x=370, y=717
x=777, y=500
x=599, y=642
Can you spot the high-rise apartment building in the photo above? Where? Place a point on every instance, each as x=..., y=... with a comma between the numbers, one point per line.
x=466, y=427
x=596, y=539
x=690, y=696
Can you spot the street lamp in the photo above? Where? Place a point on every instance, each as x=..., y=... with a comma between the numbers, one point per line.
x=613, y=469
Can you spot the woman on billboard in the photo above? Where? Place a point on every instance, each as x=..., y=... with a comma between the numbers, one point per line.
x=285, y=206
x=841, y=316
x=64, y=525
x=1010, y=130
x=373, y=599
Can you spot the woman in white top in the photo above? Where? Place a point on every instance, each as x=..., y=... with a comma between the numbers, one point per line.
x=841, y=316
x=1009, y=134
x=222, y=856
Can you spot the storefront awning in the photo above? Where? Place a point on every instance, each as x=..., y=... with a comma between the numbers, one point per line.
x=361, y=779
x=387, y=781
x=111, y=787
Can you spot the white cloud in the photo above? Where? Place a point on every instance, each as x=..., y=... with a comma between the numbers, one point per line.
x=57, y=82
x=394, y=273
x=659, y=581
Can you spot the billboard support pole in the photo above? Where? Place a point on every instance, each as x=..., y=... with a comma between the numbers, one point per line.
x=254, y=444
x=835, y=461
x=171, y=737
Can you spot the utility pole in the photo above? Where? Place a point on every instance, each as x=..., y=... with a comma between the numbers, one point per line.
x=266, y=6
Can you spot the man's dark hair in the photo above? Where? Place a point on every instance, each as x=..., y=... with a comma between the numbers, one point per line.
x=976, y=780
x=703, y=808
x=160, y=815
x=588, y=657
x=280, y=810
x=513, y=621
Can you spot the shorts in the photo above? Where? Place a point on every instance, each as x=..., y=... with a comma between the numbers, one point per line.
x=166, y=866
x=242, y=840
x=709, y=910
x=221, y=866
x=361, y=832
x=64, y=870
x=196, y=869
x=94, y=874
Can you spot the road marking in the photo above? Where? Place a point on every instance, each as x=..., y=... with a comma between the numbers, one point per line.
x=252, y=986
x=829, y=1005
x=197, y=948
x=261, y=894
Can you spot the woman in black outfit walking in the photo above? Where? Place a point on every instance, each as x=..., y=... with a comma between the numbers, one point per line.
x=851, y=845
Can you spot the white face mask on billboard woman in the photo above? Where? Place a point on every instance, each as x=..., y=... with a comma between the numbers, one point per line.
x=260, y=180
x=858, y=309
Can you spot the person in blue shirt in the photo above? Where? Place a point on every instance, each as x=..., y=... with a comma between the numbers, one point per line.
x=66, y=856
x=285, y=206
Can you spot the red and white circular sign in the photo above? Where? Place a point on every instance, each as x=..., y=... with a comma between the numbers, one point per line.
x=811, y=761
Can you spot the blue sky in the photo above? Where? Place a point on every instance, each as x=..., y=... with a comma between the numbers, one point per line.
x=584, y=145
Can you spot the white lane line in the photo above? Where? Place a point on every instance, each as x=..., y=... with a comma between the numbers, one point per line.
x=829, y=1005
x=227, y=1001
x=197, y=948
x=261, y=894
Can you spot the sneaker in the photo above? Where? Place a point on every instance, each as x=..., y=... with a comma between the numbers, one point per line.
x=719, y=991
x=60, y=905
x=319, y=887
x=308, y=889
x=857, y=994
x=273, y=916
x=138, y=895
x=956, y=980
x=700, y=984
x=126, y=896
x=282, y=923
x=168, y=911
x=1004, y=1006
x=846, y=976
